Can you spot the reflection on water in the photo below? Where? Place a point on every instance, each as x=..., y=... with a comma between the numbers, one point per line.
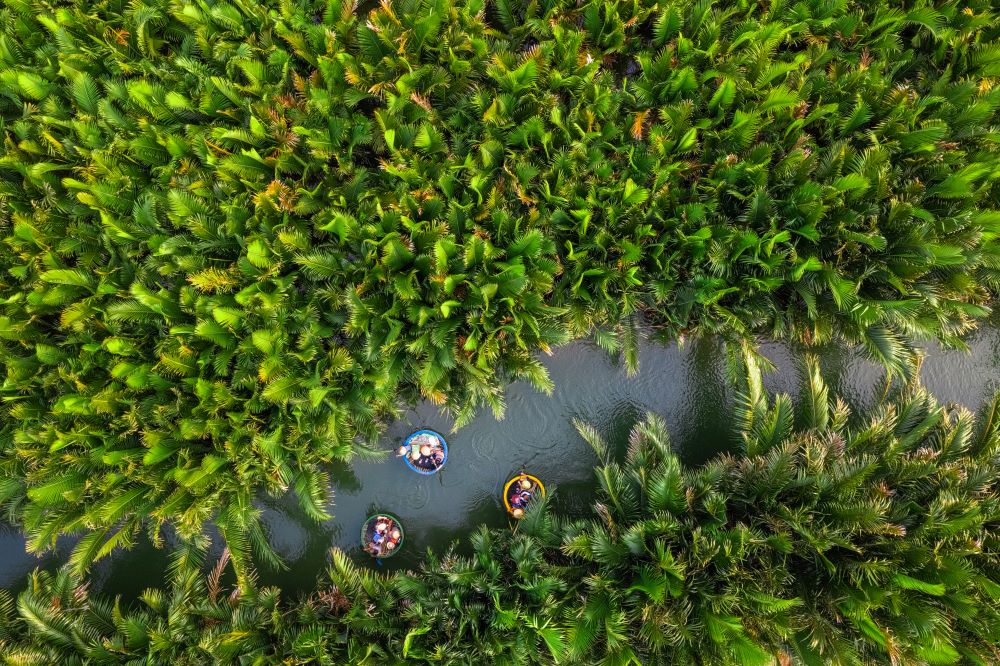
x=686, y=386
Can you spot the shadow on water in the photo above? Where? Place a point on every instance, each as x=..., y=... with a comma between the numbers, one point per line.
x=686, y=386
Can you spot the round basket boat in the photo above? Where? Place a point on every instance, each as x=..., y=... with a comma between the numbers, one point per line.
x=368, y=535
x=536, y=488
x=426, y=464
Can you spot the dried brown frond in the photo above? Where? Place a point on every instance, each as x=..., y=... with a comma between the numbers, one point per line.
x=80, y=593
x=289, y=101
x=602, y=510
x=420, y=101
x=386, y=8
x=278, y=195
x=331, y=600
x=866, y=59
x=380, y=87
x=522, y=196
x=815, y=40
x=300, y=83
x=215, y=577
x=286, y=139
x=119, y=36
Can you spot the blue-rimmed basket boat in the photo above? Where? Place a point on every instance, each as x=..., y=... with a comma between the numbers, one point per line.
x=368, y=534
x=409, y=444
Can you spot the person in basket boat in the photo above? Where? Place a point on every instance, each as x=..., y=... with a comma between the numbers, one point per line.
x=520, y=495
x=425, y=451
x=384, y=539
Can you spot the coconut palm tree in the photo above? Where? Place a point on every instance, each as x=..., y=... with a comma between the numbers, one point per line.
x=238, y=236
x=822, y=541
x=827, y=539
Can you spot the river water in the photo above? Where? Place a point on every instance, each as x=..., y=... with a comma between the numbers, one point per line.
x=684, y=385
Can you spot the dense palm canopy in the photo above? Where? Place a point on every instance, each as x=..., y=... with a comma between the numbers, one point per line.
x=237, y=234
x=829, y=539
x=839, y=541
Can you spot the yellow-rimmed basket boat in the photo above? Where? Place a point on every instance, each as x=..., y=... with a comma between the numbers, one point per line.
x=536, y=488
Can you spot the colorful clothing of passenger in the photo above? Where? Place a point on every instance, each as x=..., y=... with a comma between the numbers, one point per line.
x=520, y=499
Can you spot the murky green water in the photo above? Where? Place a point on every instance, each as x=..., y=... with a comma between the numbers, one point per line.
x=686, y=386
